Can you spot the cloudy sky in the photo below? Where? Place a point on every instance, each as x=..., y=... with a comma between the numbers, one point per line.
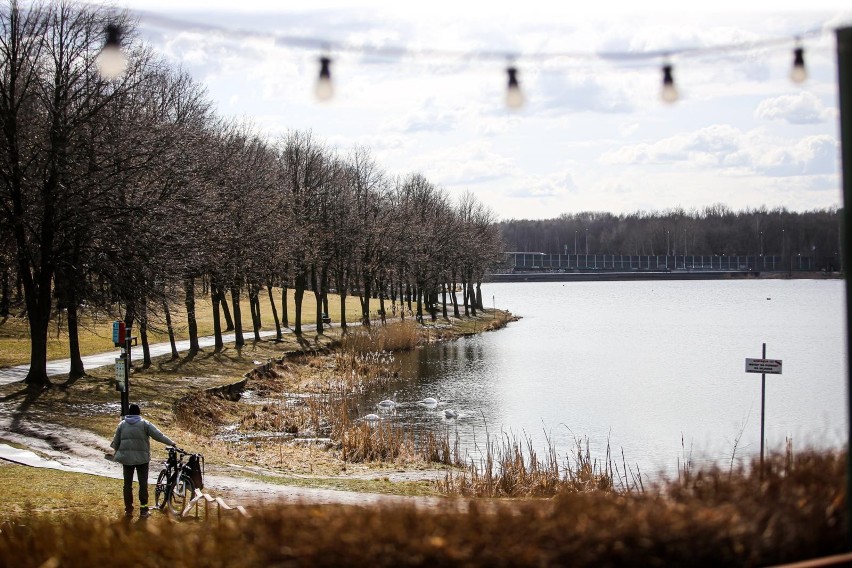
x=593, y=134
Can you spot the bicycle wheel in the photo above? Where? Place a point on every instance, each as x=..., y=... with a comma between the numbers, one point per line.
x=160, y=490
x=182, y=494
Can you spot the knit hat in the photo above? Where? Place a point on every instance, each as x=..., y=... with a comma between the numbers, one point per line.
x=133, y=410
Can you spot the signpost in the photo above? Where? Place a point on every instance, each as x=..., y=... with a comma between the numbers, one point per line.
x=121, y=337
x=763, y=366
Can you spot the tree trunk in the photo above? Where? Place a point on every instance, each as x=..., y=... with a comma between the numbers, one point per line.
x=278, y=335
x=454, y=299
x=419, y=292
x=77, y=369
x=143, y=335
x=464, y=299
x=298, y=295
x=254, y=306
x=216, y=298
x=479, y=296
x=37, y=375
x=239, y=340
x=285, y=317
x=170, y=329
x=5, y=292
x=365, y=301
x=343, y=311
x=192, y=326
x=223, y=301
x=444, y=299
x=318, y=298
x=472, y=300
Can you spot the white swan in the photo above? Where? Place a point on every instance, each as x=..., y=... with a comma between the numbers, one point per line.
x=372, y=417
x=386, y=404
x=450, y=413
x=429, y=401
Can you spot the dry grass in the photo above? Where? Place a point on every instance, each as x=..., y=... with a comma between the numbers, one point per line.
x=512, y=468
x=715, y=519
x=96, y=327
x=395, y=336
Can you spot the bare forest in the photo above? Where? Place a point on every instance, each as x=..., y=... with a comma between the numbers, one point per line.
x=715, y=230
x=132, y=197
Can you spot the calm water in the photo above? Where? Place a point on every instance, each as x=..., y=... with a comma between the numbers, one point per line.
x=655, y=368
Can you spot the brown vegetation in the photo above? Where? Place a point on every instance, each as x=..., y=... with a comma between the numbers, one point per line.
x=713, y=518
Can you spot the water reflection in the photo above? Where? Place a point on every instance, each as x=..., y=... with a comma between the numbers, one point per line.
x=653, y=368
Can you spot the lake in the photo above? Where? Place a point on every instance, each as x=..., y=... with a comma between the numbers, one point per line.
x=655, y=369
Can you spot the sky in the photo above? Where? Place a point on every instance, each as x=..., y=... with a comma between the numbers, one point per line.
x=593, y=134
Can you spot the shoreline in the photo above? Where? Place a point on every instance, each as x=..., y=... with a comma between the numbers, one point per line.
x=639, y=275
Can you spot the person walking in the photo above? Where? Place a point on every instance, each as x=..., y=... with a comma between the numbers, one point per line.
x=133, y=451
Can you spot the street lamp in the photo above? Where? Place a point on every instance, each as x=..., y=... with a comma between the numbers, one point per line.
x=575, y=242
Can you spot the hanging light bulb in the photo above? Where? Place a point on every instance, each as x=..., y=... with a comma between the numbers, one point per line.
x=669, y=93
x=514, y=96
x=798, y=74
x=324, y=88
x=111, y=61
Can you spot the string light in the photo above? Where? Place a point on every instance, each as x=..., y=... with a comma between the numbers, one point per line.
x=324, y=88
x=799, y=74
x=669, y=92
x=111, y=61
x=514, y=96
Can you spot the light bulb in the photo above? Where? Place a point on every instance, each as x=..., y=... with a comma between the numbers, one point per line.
x=514, y=96
x=111, y=61
x=669, y=93
x=798, y=74
x=324, y=88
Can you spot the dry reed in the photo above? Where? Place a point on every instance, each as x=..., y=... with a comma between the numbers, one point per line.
x=717, y=518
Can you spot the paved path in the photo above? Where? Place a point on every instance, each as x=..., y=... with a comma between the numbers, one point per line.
x=63, y=366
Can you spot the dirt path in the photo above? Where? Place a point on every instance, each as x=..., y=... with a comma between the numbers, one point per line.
x=63, y=366
x=69, y=449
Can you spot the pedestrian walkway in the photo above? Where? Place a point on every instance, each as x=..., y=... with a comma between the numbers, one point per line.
x=63, y=366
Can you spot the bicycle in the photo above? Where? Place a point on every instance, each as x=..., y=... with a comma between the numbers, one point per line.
x=178, y=480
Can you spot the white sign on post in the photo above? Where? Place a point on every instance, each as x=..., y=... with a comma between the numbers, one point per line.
x=768, y=366
x=119, y=375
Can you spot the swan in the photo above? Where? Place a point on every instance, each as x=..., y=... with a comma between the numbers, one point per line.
x=429, y=401
x=372, y=417
x=386, y=404
x=450, y=413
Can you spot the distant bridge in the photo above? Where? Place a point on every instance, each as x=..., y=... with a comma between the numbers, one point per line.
x=542, y=262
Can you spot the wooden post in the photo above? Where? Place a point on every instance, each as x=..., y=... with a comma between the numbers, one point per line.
x=762, y=411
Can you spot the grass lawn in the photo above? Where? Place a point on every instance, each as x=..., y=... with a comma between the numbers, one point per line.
x=96, y=328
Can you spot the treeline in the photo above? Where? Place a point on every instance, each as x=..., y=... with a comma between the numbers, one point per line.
x=132, y=197
x=715, y=230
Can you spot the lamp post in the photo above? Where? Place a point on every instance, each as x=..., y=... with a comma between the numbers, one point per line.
x=575, y=242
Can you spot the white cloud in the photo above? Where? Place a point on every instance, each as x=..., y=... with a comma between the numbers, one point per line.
x=465, y=164
x=726, y=149
x=593, y=134
x=802, y=108
x=559, y=184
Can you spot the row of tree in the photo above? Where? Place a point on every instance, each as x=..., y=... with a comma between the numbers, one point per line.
x=131, y=196
x=715, y=230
